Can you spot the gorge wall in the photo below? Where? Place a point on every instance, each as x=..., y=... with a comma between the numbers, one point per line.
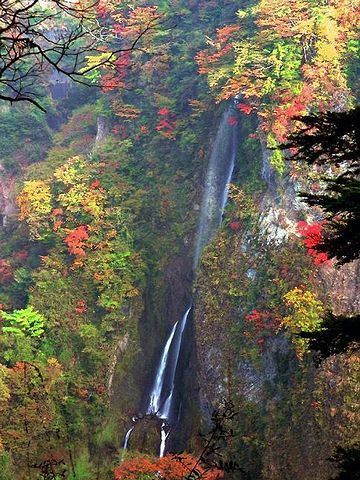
x=244, y=358
x=109, y=241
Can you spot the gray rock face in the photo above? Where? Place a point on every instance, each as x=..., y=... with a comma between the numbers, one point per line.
x=102, y=130
x=281, y=210
x=59, y=85
x=7, y=197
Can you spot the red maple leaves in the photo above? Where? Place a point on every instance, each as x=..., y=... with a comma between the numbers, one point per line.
x=163, y=111
x=168, y=467
x=312, y=236
x=95, y=184
x=81, y=307
x=115, y=79
x=244, y=108
x=261, y=323
x=167, y=123
x=75, y=240
x=235, y=225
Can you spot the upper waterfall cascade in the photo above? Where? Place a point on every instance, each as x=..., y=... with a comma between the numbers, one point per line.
x=218, y=176
x=219, y=173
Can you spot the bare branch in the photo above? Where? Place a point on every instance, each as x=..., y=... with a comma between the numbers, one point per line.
x=58, y=35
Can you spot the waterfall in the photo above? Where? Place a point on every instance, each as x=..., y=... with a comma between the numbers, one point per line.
x=165, y=410
x=159, y=405
x=155, y=395
x=220, y=169
x=164, y=436
x=221, y=166
x=128, y=434
x=127, y=437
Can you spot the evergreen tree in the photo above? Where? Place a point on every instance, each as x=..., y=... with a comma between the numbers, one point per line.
x=336, y=335
x=333, y=138
x=348, y=463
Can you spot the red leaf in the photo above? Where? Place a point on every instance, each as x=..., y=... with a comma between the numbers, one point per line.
x=163, y=111
x=57, y=211
x=95, y=184
x=81, y=307
x=75, y=240
x=244, y=108
x=235, y=225
x=312, y=236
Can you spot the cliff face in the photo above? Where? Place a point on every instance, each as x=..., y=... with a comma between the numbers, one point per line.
x=241, y=286
x=238, y=354
x=342, y=286
x=7, y=196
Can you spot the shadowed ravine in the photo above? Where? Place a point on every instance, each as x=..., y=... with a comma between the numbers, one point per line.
x=221, y=164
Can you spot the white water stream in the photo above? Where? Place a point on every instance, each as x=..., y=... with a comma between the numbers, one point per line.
x=164, y=435
x=220, y=170
x=165, y=409
x=155, y=395
x=127, y=437
x=218, y=176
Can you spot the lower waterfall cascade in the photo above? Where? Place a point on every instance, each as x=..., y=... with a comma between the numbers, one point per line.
x=173, y=343
x=218, y=176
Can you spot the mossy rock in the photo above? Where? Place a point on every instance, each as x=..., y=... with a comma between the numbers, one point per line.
x=146, y=435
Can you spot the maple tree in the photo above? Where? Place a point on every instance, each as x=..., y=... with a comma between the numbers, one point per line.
x=35, y=205
x=312, y=237
x=81, y=307
x=169, y=467
x=75, y=240
x=167, y=123
x=260, y=324
x=235, y=225
x=306, y=315
x=139, y=26
x=281, y=59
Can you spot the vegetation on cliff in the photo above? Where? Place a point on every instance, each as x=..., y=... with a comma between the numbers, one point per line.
x=107, y=202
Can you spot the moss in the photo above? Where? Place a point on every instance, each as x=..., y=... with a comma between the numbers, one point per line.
x=277, y=161
x=6, y=466
x=83, y=468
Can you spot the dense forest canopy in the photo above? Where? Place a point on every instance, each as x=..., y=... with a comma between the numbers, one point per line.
x=117, y=118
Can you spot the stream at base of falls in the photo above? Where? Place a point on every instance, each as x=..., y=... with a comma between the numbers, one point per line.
x=127, y=437
x=219, y=173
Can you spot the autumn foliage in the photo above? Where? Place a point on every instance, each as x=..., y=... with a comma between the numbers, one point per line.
x=6, y=275
x=75, y=240
x=169, y=467
x=166, y=124
x=235, y=225
x=81, y=307
x=312, y=237
x=294, y=59
x=259, y=324
x=244, y=108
